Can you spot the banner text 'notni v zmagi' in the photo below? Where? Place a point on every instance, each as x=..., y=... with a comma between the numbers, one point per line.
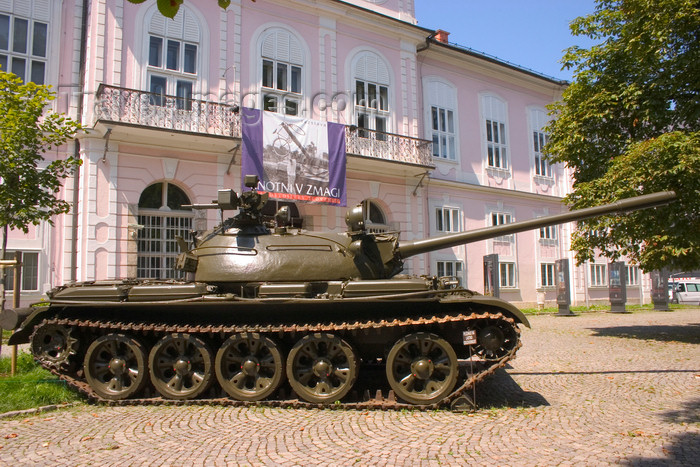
x=296, y=159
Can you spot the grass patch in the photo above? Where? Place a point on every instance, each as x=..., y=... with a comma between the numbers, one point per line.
x=31, y=387
x=600, y=307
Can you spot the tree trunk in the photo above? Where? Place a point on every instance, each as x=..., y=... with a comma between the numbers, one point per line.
x=3, y=273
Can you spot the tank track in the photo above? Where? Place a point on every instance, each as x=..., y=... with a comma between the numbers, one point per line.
x=458, y=400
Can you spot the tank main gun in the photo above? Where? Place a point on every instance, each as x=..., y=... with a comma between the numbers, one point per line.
x=407, y=249
x=243, y=250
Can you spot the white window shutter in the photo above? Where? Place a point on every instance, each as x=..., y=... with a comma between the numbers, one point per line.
x=41, y=10
x=157, y=25
x=296, y=55
x=282, y=52
x=175, y=25
x=23, y=9
x=268, y=46
x=191, y=29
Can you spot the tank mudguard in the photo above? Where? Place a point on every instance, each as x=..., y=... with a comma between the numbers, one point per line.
x=22, y=334
x=502, y=304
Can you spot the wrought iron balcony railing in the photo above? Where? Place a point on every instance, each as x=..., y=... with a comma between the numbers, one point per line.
x=134, y=107
x=389, y=146
x=143, y=108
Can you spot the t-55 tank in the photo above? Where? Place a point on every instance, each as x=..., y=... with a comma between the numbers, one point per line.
x=276, y=313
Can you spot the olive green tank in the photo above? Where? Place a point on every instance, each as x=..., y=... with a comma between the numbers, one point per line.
x=270, y=312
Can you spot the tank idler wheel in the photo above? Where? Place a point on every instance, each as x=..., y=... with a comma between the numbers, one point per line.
x=422, y=368
x=53, y=345
x=321, y=368
x=495, y=339
x=115, y=366
x=249, y=367
x=180, y=366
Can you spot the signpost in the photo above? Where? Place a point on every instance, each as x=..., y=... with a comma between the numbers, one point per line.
x=561, y=272
x=491, y=276
x=617, y=288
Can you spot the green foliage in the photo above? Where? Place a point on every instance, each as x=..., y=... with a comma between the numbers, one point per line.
x=628, y=125
x=29, y=184
x=169, y=8
x=31, y=387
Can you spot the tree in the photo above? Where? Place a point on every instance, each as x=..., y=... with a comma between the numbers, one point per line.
x=629, y=124
x=29, y=184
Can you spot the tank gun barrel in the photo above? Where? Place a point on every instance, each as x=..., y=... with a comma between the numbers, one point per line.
x=417, y=247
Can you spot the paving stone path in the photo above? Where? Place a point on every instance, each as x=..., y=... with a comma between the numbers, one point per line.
x=587, y=390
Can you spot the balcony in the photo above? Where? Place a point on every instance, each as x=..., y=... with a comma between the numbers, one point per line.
x=388, y=146
x=141, y=108
x=145, y=109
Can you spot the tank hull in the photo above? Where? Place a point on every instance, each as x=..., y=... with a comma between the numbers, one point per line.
x=366, y=318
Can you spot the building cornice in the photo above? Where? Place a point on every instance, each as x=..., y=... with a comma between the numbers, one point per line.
x=471, y=60
x=501, y=193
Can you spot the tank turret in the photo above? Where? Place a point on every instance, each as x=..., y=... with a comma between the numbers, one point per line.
x=243, y=249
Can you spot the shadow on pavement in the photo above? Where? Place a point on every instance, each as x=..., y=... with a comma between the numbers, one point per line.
x=501, y=390
x=687, y=333
x=684, y=449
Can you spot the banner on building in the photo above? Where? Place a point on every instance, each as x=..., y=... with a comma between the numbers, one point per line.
x=296, y=159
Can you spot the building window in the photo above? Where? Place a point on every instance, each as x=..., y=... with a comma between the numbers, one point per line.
x=538, y=119
x=440, y=97
x=451, y=269
x=632, y=276
x=374, y=218
x=542, y=167
x=173, y=59
x=30, y=271
x=163, y=219
x=495, y=144
x=443, y=133
x=172, y=68
x=494, y=114
x=23, y=47
x=372, y=81
x=447, y=219
x=501, y=218
x=599, y=275
x=547, y=275
x=548, y=233
x=282, y=68
x=507, y=275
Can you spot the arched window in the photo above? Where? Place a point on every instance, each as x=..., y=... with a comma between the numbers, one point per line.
x=538, y=120
x=282, y=62
x=495, y=118
x=372, y=89
x=441, y=102
x=174, y=58
x=24, y=39
x=163, y=219
x=375, y=220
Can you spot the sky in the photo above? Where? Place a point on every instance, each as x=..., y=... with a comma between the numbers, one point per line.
x=529, y=33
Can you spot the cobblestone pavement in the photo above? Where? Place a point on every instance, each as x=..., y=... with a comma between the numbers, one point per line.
x=594, y=389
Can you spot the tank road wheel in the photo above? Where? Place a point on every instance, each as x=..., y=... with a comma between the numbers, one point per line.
x=53, y=345
x=422, y=368
x=115, y=366
x=495, y=339
x=249, y=367
x=180, y=366
x=321, y=368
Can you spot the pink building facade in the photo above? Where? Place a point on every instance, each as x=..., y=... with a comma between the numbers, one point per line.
x=439, y=138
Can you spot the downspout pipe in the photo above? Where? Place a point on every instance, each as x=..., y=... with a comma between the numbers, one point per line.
x=76, y=153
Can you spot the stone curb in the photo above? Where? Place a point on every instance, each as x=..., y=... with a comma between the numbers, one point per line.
x=37, y=410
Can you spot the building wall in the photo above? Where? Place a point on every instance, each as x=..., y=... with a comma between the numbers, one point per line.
x=122, y=160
